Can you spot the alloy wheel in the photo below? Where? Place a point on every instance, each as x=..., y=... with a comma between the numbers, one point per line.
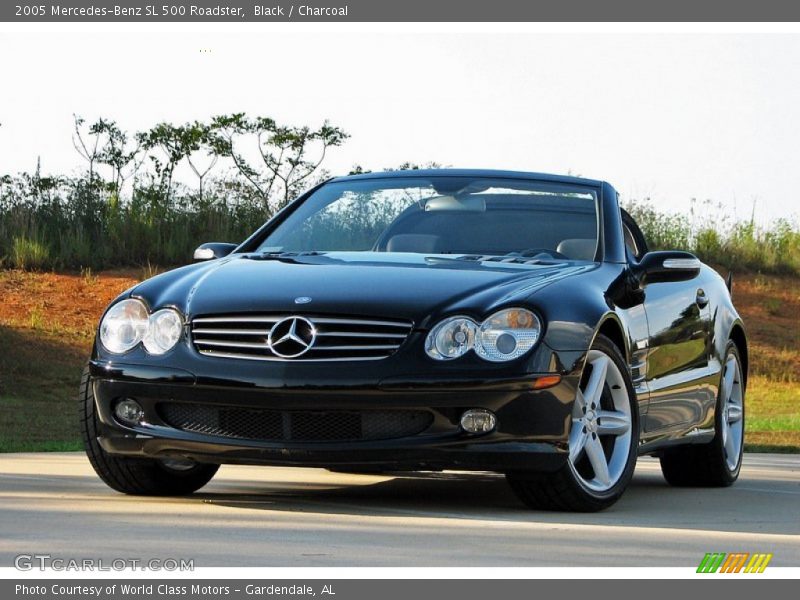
x=600, y=435
x=732, y=425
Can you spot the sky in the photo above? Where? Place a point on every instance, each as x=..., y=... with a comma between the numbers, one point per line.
x=663, y=115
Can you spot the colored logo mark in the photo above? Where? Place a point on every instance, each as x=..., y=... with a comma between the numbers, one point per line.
x=735, y=562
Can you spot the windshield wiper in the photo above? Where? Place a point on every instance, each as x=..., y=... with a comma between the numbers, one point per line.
x=511, y=257
x=287, y=257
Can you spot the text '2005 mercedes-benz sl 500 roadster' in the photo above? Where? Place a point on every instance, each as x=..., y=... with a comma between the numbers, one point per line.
x=426, y=320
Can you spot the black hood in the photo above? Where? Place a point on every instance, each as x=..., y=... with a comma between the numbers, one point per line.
x=407, y=286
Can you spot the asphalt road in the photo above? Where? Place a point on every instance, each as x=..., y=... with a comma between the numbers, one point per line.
x=260, y=516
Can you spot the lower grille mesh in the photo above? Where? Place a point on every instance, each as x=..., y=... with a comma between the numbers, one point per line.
x=294, y=425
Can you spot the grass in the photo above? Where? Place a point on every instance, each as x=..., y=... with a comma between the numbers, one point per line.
x=59, y=222
x=29, y=253
x=47, y=325
x=63, y=223
x=48, y=336
x=708, y=232
x=38, y=385
x=773, y=415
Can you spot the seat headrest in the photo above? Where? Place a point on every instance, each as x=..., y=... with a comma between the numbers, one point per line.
x=414, y=242
x=578, y=248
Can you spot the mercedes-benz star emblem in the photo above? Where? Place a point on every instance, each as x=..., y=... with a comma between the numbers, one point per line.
x=292, y=337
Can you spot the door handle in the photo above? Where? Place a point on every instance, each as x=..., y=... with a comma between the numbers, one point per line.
x=701, y=299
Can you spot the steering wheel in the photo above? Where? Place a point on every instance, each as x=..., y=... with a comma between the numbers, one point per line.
x=535, y=252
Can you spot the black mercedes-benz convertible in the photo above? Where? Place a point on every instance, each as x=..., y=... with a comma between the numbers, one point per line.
x=426, y=320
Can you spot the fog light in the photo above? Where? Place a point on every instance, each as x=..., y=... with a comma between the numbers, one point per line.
x=478, y=420
x=129, y=411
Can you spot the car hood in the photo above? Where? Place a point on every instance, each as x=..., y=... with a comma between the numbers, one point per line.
x=407, y=286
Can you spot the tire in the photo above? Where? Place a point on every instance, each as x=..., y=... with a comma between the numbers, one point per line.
x=605, y=426
x=709, y=465
x=136, y=476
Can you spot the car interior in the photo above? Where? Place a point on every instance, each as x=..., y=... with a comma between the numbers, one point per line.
x=561, y=227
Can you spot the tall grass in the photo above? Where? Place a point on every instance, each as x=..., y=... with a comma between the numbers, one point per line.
x=78, y=223
x=708, y=233
x=67, y=224
x=30, y=254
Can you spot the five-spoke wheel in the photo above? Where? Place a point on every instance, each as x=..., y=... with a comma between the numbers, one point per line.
x=603, y=440
x=600, y=438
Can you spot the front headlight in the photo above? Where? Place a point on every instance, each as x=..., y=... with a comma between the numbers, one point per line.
x=164, y=331
x=505, y=335
x=129, y=323
x=451, y=338
x=124, y=326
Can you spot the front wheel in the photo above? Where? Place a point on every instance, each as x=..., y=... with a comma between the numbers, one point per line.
x=137, y=476
x=717, y=463
x=604, y=435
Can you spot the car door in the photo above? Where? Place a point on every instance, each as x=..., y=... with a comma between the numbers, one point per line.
x=678, y=319
x=678, y=346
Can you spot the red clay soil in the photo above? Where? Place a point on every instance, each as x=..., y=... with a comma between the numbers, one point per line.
x=770, y=308
x=69, y=303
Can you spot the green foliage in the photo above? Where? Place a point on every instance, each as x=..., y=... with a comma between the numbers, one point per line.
x=126, y=208
x=708, y=233
x=82, y=226
x=29, y=254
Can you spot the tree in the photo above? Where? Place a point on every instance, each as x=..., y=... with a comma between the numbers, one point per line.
x=116, y=152
x=170, y=140
x=103, y=142
x=88, y=149
x=288, y=157
x=179, y=142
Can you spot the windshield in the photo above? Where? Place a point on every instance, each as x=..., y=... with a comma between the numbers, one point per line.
x=443, y=215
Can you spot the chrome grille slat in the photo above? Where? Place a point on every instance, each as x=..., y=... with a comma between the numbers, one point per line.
x=231, y=344
x=232, y=331
x=361, y=322
x=361, y=335
x=253, y=319
x=337, y=338
x=278, y=359
x=375, y=347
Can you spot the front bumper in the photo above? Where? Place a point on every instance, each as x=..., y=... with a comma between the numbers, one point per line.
x=531, y=433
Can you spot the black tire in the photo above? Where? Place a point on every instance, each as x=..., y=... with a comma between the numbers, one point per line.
x=561, y=490
x=136, y=476
x=705, y=465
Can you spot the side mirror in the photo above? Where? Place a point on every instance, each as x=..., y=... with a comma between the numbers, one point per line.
x=212, y=250
x=667, y=265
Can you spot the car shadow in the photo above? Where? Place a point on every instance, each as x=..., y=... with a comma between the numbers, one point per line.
x=759, y=503
x=648, y=502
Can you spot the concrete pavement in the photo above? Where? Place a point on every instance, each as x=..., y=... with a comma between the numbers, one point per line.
x=263, y=516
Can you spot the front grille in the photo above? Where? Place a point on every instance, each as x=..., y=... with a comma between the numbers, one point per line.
x=295, y=425
x=246, y=336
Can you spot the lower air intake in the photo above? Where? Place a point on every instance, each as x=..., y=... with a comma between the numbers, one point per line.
x=295, y=425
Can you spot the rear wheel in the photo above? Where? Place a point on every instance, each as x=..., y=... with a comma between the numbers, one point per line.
x=137, y=476
x=717, y=463
x=604, y=435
